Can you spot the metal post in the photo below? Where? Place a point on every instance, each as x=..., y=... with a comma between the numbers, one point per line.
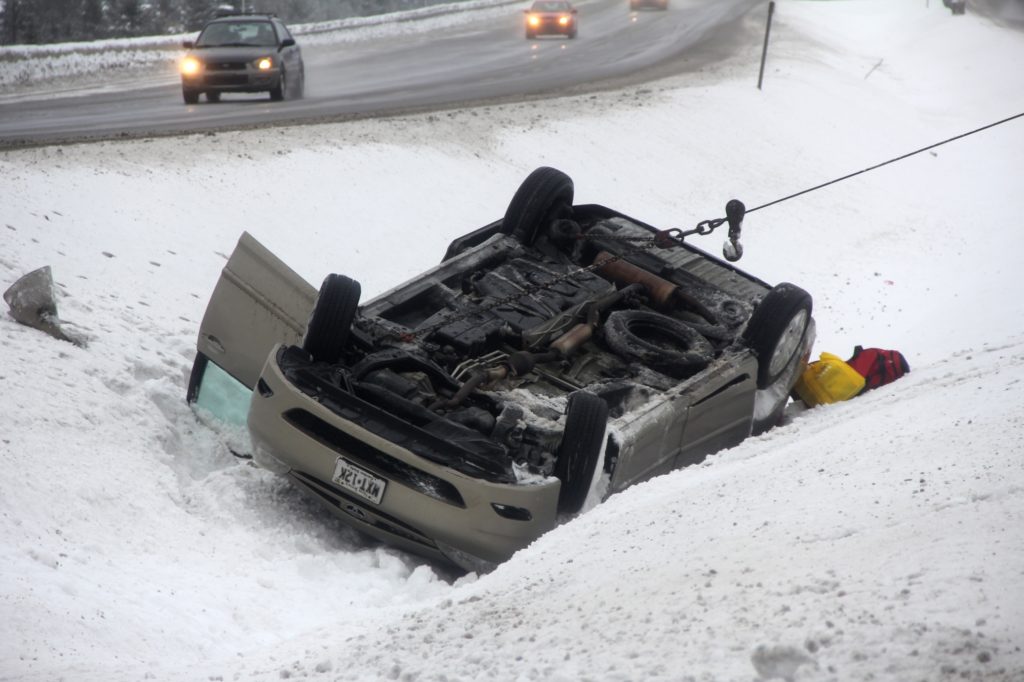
x=767, y=32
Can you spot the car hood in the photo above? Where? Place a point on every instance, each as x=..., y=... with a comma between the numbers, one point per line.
x=234, y=53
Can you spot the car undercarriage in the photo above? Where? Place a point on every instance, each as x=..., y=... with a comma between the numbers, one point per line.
x=460, y=412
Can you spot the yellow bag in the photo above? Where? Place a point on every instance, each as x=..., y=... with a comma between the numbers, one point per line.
x=828, y=380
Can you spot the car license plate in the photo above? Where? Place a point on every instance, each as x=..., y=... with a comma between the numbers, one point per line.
x=359, y=481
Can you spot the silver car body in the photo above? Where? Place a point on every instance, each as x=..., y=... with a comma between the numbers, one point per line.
x=447, y=491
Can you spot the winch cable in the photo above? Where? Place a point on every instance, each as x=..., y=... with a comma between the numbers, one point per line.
x=884, y=163
x=675, y=236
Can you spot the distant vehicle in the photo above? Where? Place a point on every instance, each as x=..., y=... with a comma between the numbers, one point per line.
x=652, y=4
x=242, y=53
x=547, y=17
x=556, y=351
x=956, y=6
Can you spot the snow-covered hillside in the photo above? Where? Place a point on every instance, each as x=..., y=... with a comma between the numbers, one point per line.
x=877, y=539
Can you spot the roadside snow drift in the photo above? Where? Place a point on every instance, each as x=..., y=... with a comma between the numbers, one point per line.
x=877, y=539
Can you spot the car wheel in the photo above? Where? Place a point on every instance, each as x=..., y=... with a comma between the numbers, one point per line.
x=545, y=196
x=658, y=341
x=530, y=35
x=190, y=96
x=331, y=320
x=277, y=92
x=776, y=331
x=300, y=87
x=582, y=441
x=212, y=96
x=572, y=34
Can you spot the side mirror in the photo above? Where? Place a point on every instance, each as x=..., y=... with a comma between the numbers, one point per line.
x=188, y=44
x=288, y=42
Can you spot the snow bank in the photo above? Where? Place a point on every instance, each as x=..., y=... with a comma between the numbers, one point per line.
x=873, y=540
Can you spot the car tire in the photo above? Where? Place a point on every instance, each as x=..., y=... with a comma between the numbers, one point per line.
x=572, y=35
x=190, y=96
x=545, y=196
x=530, y=35
x=277, y=92
x=776, y=330
x=331, y=320
x=582, y=441
x=212, y=96
x=300, y=87
x=658, y=341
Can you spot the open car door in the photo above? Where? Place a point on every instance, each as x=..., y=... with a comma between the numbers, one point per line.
x=257, y=302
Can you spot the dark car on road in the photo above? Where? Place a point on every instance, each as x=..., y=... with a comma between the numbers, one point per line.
x=555, y=356
x=551, y=17
x=242, y=53
x=956, y=6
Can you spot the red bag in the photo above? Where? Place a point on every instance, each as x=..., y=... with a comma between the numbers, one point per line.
x=878, y=366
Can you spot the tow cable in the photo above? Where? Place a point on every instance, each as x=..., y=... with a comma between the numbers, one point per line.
x=732, y=250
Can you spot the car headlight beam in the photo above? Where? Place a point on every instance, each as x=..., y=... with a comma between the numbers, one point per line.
x=533, y=20
x=264, y=63
x=190, y=66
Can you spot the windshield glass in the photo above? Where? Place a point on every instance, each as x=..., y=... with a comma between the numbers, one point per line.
x=553, y=6
x=238, y=34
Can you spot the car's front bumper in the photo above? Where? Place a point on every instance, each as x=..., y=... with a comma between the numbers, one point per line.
x=552, y=27
x=233, y=80
x=426, y=507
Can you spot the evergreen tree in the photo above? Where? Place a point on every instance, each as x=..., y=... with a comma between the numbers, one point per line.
x=128, y=18
x=93, y=20
x=9, y=22
x=20, y=23
x=167, y=17
x=195, y=13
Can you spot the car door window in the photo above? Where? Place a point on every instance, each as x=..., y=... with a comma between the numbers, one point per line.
x=218, y=393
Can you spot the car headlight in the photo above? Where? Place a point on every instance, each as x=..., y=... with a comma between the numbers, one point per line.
x=563, y=21
x=533, y=20
x=190, y=66
x=264, y=63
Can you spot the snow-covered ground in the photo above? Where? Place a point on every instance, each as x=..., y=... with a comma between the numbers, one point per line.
x=878, y=539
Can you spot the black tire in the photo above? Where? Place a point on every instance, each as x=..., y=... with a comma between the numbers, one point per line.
x=212, y=96
x=776, y=330
x=663, y=343
x=331, y=320
x=582, y=439
x=277, y=92
x=190, y=96
x=530, y=35
x=545, y=196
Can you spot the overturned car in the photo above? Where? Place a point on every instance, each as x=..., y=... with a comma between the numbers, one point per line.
x=555, y=356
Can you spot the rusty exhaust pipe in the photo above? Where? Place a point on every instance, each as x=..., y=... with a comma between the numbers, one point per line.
x=661, y=291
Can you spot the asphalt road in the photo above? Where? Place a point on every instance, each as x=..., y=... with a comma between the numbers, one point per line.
x=471, y=63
